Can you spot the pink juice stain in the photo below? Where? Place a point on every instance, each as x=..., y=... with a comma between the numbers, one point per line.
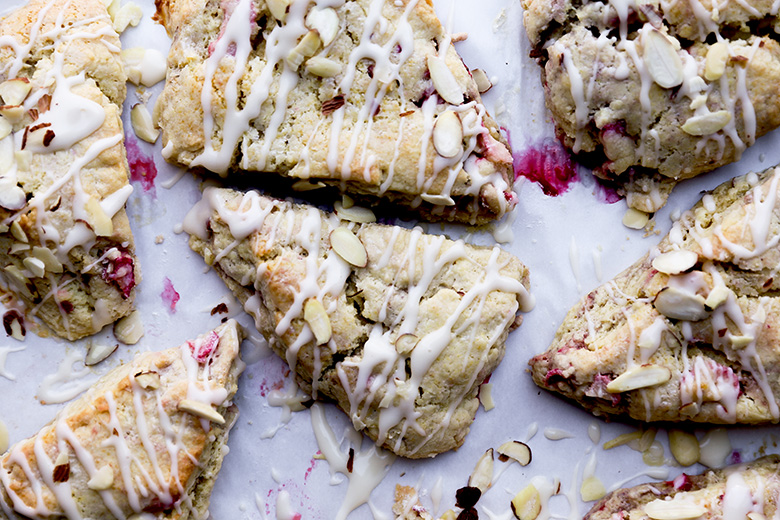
x=169, y=295
x=549, y=165
x=142, y=167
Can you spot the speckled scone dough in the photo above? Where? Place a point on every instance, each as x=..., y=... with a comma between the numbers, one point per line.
x=691, y=332
x=368, y=96
x=148, y=438
x=654, y=92
x=66, y=249
x=741, y=491
x=399, y=328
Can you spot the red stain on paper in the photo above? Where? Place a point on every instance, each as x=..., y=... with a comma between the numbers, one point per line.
x=169, y=295
x=142, y=167
x=548, y=164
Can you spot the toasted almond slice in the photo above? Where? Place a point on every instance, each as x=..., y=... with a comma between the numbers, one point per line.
x=35, y=266
x=202, y=410
x=482, y=476
x=46, y=255
x=13, y=113
x=406, y=343
x=129, y=329
x=707, y=124
x=680, y=305
x=641, y=376
x=673, y=510
x=635, y=219
x=17, y=330
x=5, y=127
x=354, y=214
x=684, y=447
x=148, y=380
x=102, y=479
x=15, y=91
x=486, y=396
x=661, y=59
x=348, y=246
x=142, y=123
x=18, y=232
x=438, y=199
x=481, y=79
x=675, y=262
x=305, y=48
x=527, y=504
x=448, y=134
x=325, y=22
x=515, y=450
x=97, y=352
x=715, y=63
x=278, y=8
x=592, y=489
x=444, y=81
x=322, y=67
x=717, y=297
x=317, y=318
x=98, y=220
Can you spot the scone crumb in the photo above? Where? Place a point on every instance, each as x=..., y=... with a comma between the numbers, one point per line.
x=159, y=239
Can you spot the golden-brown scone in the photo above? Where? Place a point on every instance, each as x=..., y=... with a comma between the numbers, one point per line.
x=398, y=327
x=654, y=92
x=743, y=491
x=691, y=332
x=66, y=249
x=149, y=437
x=368, y=96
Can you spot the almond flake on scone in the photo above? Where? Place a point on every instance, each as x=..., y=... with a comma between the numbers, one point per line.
x=691, y=332
x=368, y=96
x=399, y=328
x=746, y=491
x=145, y=441
x=66, y=249
x=656, y=92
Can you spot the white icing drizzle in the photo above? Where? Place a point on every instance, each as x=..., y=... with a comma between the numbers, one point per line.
x=557, y=434
x=66, y=383
x=4, y=351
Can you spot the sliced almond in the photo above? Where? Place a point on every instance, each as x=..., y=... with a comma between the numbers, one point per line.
x=684, y=447
x=717, y=297
x=707, y=124
x=405, y=343
x=444, y=81
x=348, y=246
x=740, y=342
x=680, y=305
x=482, y=476
x=751, y=516
x=527, y=504
x=278, y=8
x=18, y=247
x=438, y=199
x=148, y=380
x=15, y=91
x=486, y=396
x=307, y=185
x=14, y=321
x=322, y=67
x=46, y=255
x=715, y=63
x=36, y=267
x=12, y=113
x=128, y=15
x=354, y=214
x=646, y=440
x=3, y=438
x=325, y=22
x=673, y=510
x=654, y=455
x=306, y=48
x=641, y=376
x=5, y=127
x=592, y=489
x=142, y=123
x=317, y=318
x=675, y=262
x=635, y=219
x=98, y=220
x=132, y=59
x=97, y=352
x=102, y=479
x=448, y=134
x=661, y=59
x=129, y=329
x=515, y=450
x=202, y=410
x=20, y=281
x=481, y=79
x=18, y=232
x=11, y=195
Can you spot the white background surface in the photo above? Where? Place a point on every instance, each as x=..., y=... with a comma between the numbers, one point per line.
x=550, y=236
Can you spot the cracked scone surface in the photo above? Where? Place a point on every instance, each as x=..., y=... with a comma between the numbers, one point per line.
x=657, y=92
x=741, y=490
x=690, y=331
x=359, y=110
x=400, y=341
x=132, y=443
x=66, y=249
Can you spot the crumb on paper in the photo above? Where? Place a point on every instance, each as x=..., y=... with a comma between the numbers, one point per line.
x=459, y=37
x=159, y=239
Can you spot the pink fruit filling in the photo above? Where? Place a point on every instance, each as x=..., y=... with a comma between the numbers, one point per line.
x=201, y=350
x=120, y=271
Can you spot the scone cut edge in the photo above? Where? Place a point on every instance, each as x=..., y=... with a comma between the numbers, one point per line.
x=399, y=328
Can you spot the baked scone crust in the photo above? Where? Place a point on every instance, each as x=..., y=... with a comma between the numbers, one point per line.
x=454, y=305
x=367, y=128
x=658, y=93
x=66, y=248
x=162, y=458
x=721, y=493
x=706, y=339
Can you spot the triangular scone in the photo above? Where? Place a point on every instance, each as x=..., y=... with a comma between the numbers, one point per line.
x=149, y=437
x=66, y=249
x=368, y=96
x=692, y=330
x=398, y=327
x=652, y=92
x=741, y=491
